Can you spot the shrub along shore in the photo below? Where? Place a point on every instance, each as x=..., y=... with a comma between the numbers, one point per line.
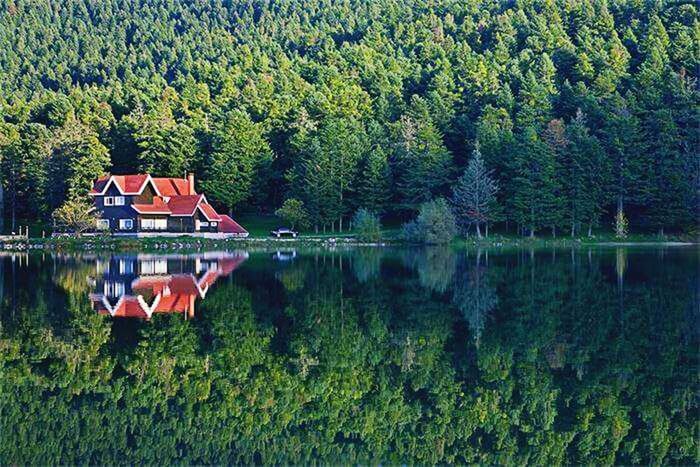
x=388, y=239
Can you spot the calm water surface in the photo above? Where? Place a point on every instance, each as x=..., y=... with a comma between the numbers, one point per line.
x=362, y=355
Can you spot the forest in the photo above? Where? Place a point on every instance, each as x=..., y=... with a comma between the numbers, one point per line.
x=580, y=113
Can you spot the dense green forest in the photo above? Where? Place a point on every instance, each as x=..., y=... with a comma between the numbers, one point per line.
x=363, y=357
x=580, y=109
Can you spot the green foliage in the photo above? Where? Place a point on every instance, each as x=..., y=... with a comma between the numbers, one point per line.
x=474, y=195
x=166, y=147
x=366, y=226
x=423, y=165
x=434, y=224
x=76, y=215
x=415, y=355
x=239, y=155
x=379, y=111
x=535, y=201
x=621, y=225
x=293, y=212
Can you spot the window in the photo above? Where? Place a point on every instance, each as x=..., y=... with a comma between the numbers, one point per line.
x=109, y=201
x=199, y=224
x=114, y=289
x=160, y=224
x=102, y=224
x=119, y=201
x=213, y=224
x=159, y=266
x=126, y=266
x=147, y=224
x=126, y=224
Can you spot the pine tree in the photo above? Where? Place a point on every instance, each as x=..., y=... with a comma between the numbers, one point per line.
x=668, y=182
x=24, y=172
x=423, y=165
x=624, y=147
x=78, y=158
x=534, y=204
x=474, y=196
x=239, y=152
x=373, y=184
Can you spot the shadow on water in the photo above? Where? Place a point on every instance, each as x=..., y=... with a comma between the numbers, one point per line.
x=351, y=355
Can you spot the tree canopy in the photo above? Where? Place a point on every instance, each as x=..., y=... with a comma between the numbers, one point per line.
x=359, y=104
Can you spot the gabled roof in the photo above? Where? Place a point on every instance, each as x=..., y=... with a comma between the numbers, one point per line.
x=128, y=306
x=158, y=207
x=126, y=184
x=228, y=225
x=184, y=205
x=172, y=186
x=209, y=212
x=165, y=293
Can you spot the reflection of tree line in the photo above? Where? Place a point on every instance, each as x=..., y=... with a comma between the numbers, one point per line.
x=372, y=366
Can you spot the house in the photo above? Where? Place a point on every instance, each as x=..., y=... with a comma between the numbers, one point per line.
x=139, y=286
x=141, y=205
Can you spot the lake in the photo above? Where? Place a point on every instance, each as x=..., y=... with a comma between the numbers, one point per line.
x=355, y=355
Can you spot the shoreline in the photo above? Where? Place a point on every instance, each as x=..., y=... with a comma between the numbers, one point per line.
x=91, y=244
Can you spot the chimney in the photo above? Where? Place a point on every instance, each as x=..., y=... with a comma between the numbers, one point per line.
x=190, y=184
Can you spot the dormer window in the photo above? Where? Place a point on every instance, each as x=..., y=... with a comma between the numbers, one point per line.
x=119, y=201
x=109, y=201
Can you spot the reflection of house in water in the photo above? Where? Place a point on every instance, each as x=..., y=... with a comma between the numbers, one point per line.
x=137, y=286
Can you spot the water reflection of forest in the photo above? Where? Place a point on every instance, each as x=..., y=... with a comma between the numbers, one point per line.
x=362, y=355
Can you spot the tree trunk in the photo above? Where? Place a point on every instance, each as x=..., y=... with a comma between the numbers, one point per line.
x=2, y=210
x=590, y=229
x=340, y=224
x=532, y=232
x=14, y=211
x=554, y=232
x=573, y=230
x=487, y=230
x=478, y=231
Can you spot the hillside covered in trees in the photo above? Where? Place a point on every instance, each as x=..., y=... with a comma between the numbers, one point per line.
x=580, y=109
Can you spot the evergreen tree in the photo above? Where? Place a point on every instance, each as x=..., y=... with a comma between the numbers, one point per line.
x=623, y=143
x=535, y=203
x=24, y=163
x=78, y=158
x=423, y=166
x=474, y=196
x=373, y=183
x=239, y=153
x=668, y=183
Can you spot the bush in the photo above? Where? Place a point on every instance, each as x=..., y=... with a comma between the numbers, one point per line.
x=435, y=224
x=367, y=226
x=76, y=216
x=293, y=212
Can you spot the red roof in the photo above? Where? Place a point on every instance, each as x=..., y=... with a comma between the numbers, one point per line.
x=158, y=207
x=174, y=303
x=167, y=293
x=128, y=306
x=174, y=198
x=184, y=205
x=228, y=225
x=127, y=184
x=209, y=212
x=172, y=186
x=100, y=184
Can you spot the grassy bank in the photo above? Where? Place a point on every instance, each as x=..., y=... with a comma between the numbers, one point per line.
x=260, y=239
